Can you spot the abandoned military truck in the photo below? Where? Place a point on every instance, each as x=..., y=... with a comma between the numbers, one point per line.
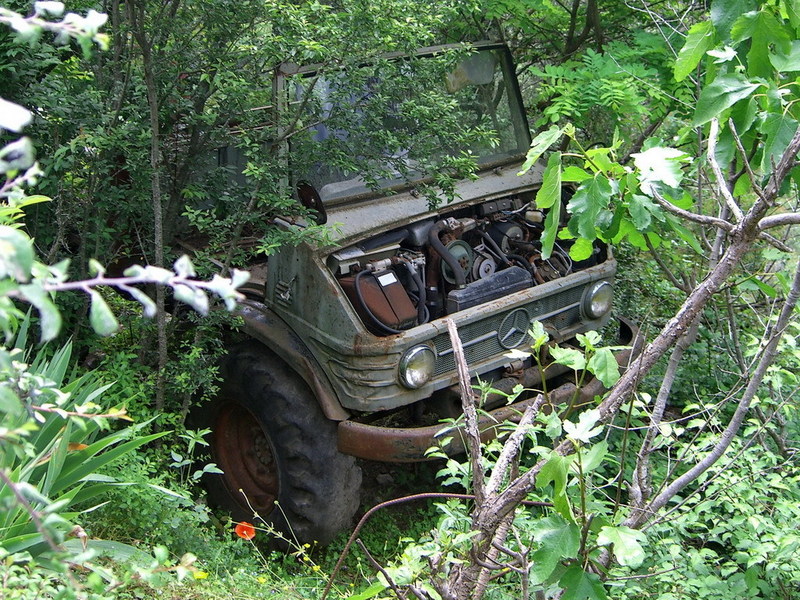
x=346, y=337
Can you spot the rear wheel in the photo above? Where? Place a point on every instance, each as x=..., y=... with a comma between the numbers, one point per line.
x=278, y=451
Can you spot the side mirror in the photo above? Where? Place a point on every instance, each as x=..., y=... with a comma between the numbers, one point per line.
x=309, y=197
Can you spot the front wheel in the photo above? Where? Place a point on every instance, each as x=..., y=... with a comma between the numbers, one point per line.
x=278, y=452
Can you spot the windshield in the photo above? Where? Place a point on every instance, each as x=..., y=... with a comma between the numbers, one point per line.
x=402, y=120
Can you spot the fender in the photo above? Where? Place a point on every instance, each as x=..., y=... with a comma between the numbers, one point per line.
x=263, y=325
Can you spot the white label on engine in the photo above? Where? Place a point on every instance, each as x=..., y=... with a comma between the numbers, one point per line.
x=387, y=279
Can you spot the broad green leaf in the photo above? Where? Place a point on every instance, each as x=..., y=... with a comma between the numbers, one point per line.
x=573, y=174
x=18, y=155
x=641, y=209
x=16, y=254
x=591, y=198
x=754, y=283
x=101, y=318
x=581, y=249
x=790, y=61
x=539, y=146
x=555, y=471
x=720, y=94
x=552, y=181
x=727, y=54
x=580, y=585
x=725, y=12
x=764, y=32
x=779, y=130
x=543, y=562
x=538, y=334
x=10, y=403
x=593, y=456
x=559, y=536
x=660, y=165
x=604, y=366
x=627, y=544
x=372, y=591
x=793, y=12
x=584, y=430
x=569, y=357
x=699, y=40
x=550, y=192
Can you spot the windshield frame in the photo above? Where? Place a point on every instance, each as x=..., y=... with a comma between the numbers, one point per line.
x=521, y=131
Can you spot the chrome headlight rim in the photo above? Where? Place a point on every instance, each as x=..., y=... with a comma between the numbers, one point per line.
x=597, y=300
x=416, y=366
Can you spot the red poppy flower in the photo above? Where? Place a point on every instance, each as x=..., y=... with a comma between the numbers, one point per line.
x=245, y=530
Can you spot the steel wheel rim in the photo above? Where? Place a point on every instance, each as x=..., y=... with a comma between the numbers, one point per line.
x=245, y=454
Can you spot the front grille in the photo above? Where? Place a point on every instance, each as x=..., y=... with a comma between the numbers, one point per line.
x=482, y=339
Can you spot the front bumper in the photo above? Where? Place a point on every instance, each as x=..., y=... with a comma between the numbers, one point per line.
x=392, y=444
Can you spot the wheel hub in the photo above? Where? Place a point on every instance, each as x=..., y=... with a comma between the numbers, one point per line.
x=244, y=452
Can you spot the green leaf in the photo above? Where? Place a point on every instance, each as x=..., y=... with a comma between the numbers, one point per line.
x=641, y=209
x=555, y=471
x=580, y=585
x=793, y=12
x=604, y=366
x=699, y=40
x=764, y=32
x=101, y=318
x=584, y=430
x=372, y=591
x=779, y=130
x=538, y=334
x=16, y=254
x=720, y=94
x=627, y=544
x=49, y=316
x=725, y=12
x=660, y=165
x=591, y=198
x=539, y=146
x=569, y=357
x=573, y=174
x=543, y=562
x=686, y=235
x=550, y=192
x=789, y=61
x=593, y=456
x=559, y=536
x=581, y=249
x=148, y=306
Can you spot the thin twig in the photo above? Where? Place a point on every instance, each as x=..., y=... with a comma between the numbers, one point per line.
x=713, y=134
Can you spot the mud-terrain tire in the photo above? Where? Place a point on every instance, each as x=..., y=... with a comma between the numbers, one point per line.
x=278, y=451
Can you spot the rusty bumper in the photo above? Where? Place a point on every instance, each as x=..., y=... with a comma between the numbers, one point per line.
x=391, y=444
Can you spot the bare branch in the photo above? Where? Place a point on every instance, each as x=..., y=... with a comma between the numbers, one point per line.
x=779, y=220
x=713, y=134
x=767, y=357
x=690, y=216
x=470, y=413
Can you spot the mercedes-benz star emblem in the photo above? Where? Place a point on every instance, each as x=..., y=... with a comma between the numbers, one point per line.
x=514, y=329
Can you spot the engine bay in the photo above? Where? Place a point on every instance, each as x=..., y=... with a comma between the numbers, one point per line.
x=460, y=259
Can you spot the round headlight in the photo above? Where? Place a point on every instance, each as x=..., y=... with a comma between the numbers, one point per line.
x=416, y=366
x=597, y=300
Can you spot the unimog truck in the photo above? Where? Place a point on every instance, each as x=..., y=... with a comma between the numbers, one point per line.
x=348, y=355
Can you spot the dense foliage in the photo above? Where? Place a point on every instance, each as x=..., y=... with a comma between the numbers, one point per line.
x=680, y=140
